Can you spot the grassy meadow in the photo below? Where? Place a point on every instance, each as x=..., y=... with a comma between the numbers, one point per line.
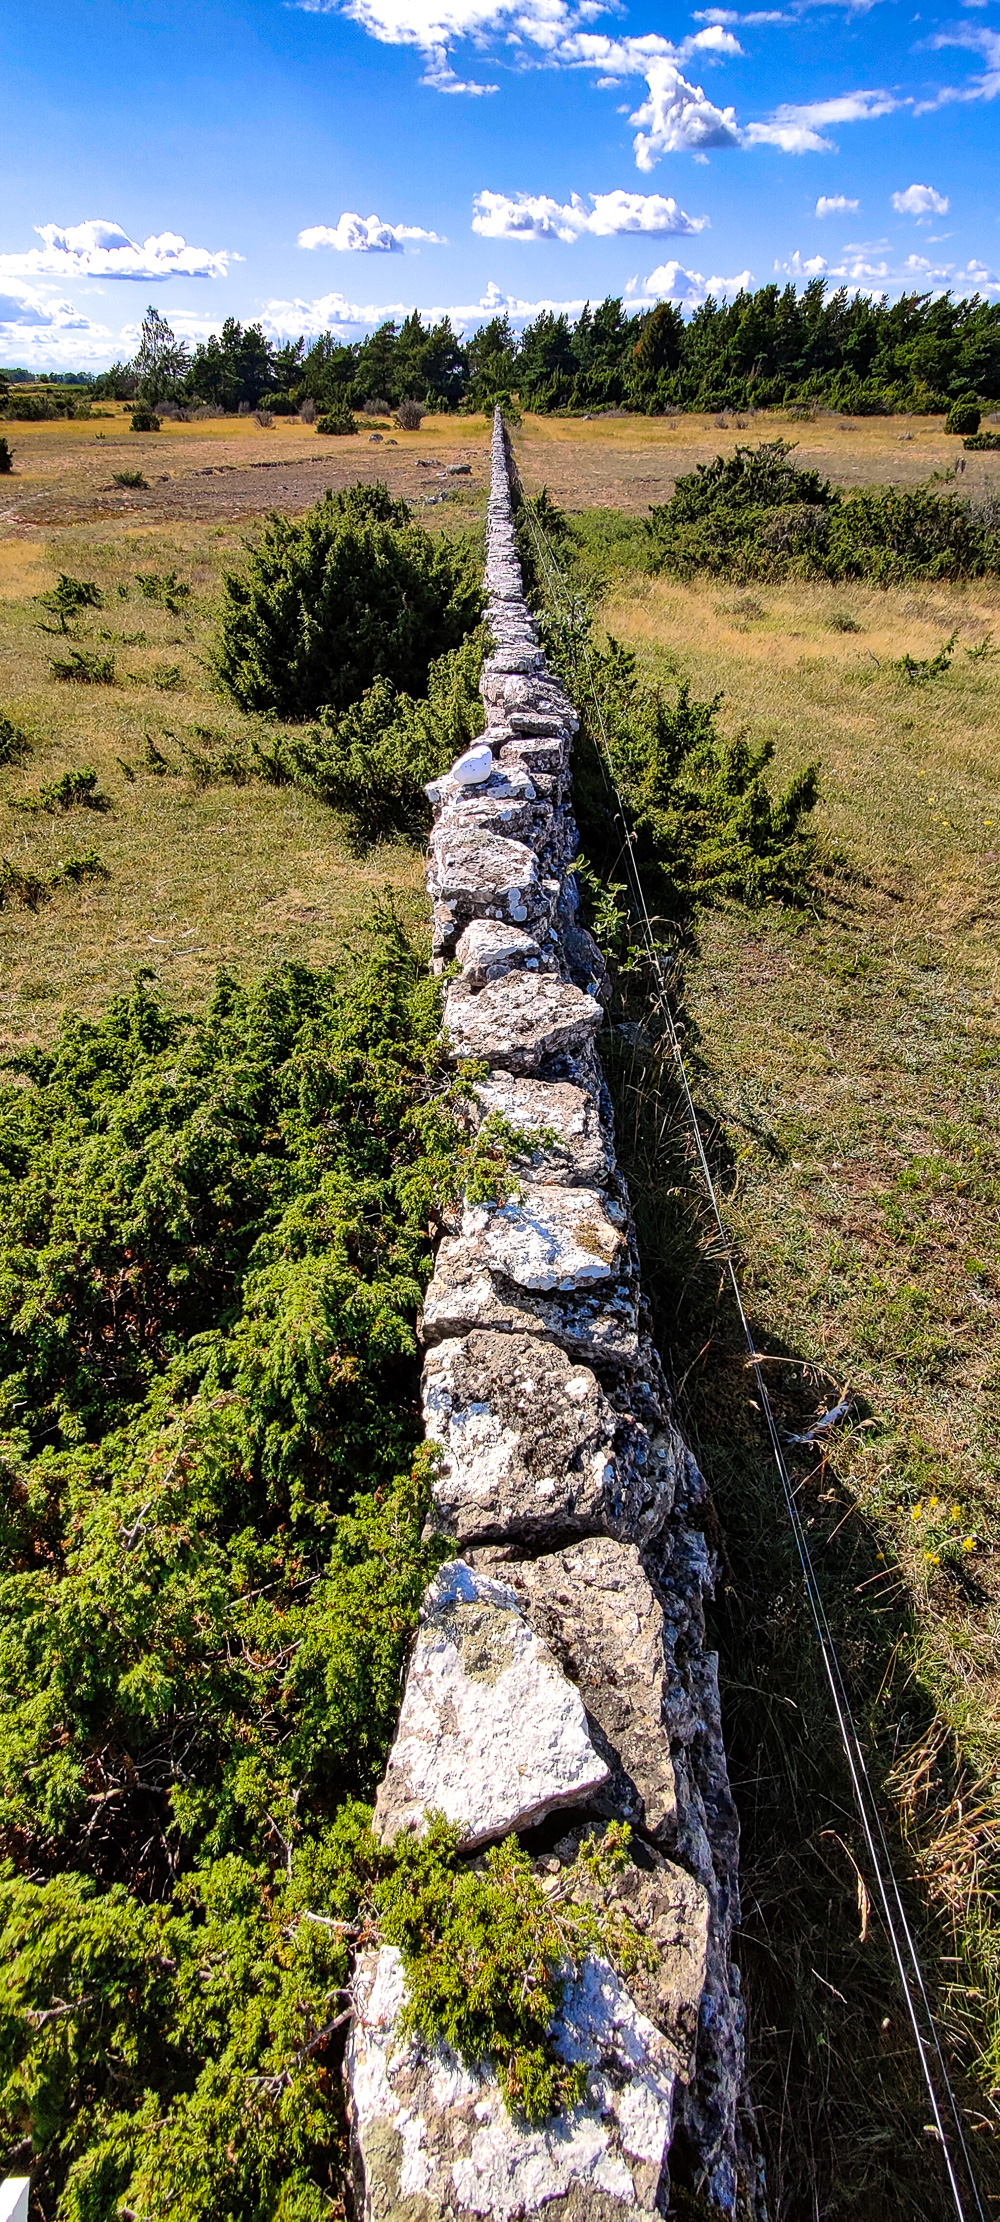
x=204, y=867
x=845, y=1059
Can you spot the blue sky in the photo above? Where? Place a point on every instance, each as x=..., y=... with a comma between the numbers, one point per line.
x=317, y=166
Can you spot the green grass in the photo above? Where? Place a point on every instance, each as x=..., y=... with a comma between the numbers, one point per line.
x=845, y=1059
x=205, y=867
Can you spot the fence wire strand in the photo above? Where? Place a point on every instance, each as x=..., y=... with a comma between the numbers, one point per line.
x=920, y=2014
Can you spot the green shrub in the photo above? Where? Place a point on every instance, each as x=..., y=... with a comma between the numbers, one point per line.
x=336, y=421
x=964, y=416
x=82, y=865
x=705, y=821
x=145, y=419
x=15, y=746
x=128, y=478
x=889, y=534
x=983, y=443
x=74, y=790
x=752, y=515
x=213, y=1246
x=67, y=598
x=756, y=515
x=6, y=457
x=328, y=602
x=373, y=760
x=31, y=408
x=86, y=670
x=165, y=588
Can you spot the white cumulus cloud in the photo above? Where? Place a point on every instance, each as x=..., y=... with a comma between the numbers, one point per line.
x=366, y=235
x=836, y=204
x=671, y=282
x=679, y=118
x=921, y=200
x=532, y=216
x=98, y=249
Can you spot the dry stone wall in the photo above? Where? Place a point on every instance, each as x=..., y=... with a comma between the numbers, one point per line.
x=560, y=1674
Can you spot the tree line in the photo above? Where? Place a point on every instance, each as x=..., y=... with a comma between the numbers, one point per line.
x=777, y=346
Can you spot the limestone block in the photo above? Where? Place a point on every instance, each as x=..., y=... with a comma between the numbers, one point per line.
x=476, y=875
x=597, y=1612
x=491, y=1733
x=600, y=1326
x=433, y=2142
x=533, y=1449
x=518, y=1022
x=499, y=809
x=673, y=1913
x=577, y=1150
x=549, y=1237
x=488, y=950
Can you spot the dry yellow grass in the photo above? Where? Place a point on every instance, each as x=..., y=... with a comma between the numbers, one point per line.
x=242, y=876
x=846, y=1059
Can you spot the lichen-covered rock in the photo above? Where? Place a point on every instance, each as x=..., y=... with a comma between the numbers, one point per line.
x=573, y=1146
x=491, y=1733
x=598, y=1324
x=532, y=1448
x=520, y=1021
x=432, y=2140
x=549, y=1237
x=597, y=1612
x=489, y=949
x=473, y=875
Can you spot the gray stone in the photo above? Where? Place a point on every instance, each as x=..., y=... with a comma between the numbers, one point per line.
x=549, y=1237
x=491, y=1733
x=432, y=2140
x=488, y=950
x=576, y=1149
x=595, y=1609
x=532, y=1448
x=600, y=1325
x=519, y=1021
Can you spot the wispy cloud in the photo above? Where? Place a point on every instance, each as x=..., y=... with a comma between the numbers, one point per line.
x=534, y=216
x=797, y=128
x=836, y=204
x=921, y=200
x=366, y=235
x=98, y=249
x=977, y=40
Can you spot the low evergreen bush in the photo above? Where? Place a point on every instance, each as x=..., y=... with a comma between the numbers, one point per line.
x=326, y=603
x=336, y=421
x=373, y=760
x=145, y=419
x=756, y=514
x=6, y=457
x=964, y=416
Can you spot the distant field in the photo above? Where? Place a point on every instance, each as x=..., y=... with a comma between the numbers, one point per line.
x=224, y=468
